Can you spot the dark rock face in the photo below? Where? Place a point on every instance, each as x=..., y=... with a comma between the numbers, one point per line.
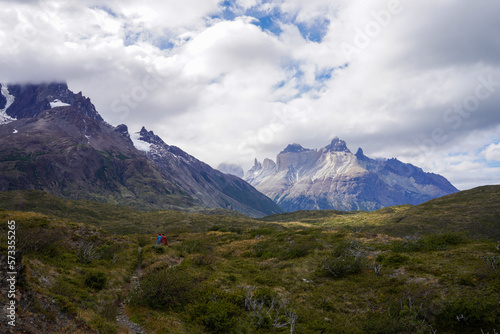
x=337, y=145
x=334, y=178
x=3, y=100
x=32, y=99
x=122, y=129
x=294, y=148
x=70, y=152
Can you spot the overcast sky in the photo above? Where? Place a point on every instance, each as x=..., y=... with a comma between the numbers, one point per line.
x=228, y=81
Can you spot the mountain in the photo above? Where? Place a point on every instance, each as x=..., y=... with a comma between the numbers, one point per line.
x=333, y=177
x=54, y=140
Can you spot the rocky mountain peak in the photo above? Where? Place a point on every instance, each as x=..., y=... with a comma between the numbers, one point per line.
x=337, y=145
x=122, y=129
x=294, y=148
x=360, y=154
x=268, y=164
x=150, y=137
x=30, y=100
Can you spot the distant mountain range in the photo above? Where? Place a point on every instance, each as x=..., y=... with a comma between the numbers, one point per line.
x=54, y=140
x=333, y=177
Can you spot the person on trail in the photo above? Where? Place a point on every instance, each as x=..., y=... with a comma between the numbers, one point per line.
x=164, y=240
x=158, y=239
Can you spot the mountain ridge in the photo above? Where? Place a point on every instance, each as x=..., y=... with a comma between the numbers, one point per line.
x=333, y=178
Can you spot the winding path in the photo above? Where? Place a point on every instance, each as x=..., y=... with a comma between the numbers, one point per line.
x=121, y=319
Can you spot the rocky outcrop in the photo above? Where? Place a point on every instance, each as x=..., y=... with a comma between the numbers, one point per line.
x=333, y=177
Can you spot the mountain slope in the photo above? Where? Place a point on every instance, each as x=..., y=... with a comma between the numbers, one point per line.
x=54, y=140
x=211, y=187
x=72, y=155
x=335, y=178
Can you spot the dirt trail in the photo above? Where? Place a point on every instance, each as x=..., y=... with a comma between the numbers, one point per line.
x=121, y=319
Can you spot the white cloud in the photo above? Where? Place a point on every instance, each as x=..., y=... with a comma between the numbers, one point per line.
x=225, y=90
x=492, y=153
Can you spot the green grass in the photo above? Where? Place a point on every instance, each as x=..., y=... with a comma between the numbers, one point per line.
x=404, y=269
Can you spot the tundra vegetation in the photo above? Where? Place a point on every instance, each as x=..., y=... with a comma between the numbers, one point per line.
x=432, y=268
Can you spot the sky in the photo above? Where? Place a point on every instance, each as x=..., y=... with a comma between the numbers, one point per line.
x=230, y=81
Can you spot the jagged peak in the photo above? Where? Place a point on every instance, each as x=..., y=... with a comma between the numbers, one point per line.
x=150, y=137
x=337, y=145
x=294, y=148
x=268, y=164
x=31, y=99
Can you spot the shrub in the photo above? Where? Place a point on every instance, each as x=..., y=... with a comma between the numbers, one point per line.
x=346, y=259
x=103, y=325
x=393, y=260
x=41, y=240
x=159, y=249
x=165, y=288
x=290, y=248
x=220, y=316
x=261, y=231
x=442, y=241
x=468, y=312
x=96, y=280
x=88, y=252
x=205, y=258
x=143, y=240
x=191, y=246
x=108, y=310
x=432, y=242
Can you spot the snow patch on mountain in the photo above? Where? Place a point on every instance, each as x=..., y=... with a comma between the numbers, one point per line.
x=4, y=118
x=139, y=144
x=59, y=103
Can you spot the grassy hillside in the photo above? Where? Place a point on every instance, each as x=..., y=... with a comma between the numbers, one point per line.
x=432, y=268
x=474, y=212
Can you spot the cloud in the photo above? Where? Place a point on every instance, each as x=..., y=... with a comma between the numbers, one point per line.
x=492, y=153
x=234, y=80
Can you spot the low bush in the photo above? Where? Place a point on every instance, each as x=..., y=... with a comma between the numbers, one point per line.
x=285, y=249
x=261, y=231
x=393, y=259
x=96, y=280
x=468, y=312
x=143, y=240
x=346, y=259
x=434, y=242
x=165, y=288
x=218, y=315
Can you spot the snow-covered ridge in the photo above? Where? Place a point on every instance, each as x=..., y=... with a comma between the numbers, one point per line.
x=58, y=103
x=4, y=118
x=139, y=144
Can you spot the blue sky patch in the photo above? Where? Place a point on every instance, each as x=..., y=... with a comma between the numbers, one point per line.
x=314, y=31
x=269, y=23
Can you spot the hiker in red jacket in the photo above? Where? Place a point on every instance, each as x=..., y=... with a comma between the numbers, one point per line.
x=164, y=240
